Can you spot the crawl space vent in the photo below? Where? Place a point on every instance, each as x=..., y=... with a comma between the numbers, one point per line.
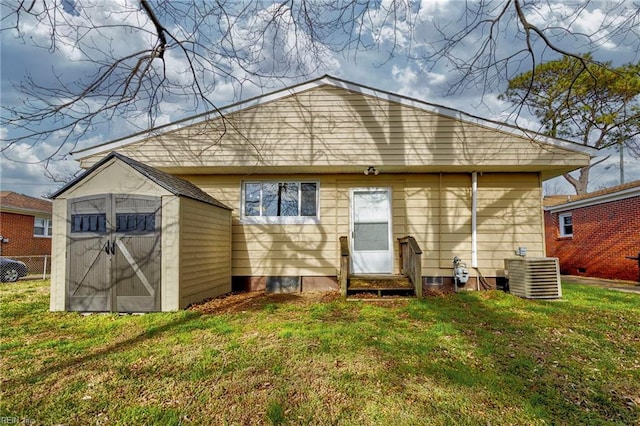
x=534, y=278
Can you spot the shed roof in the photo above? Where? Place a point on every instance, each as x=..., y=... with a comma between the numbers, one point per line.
x=173, y=184
x=20, y=203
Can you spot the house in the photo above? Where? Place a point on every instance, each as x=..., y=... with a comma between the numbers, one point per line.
x=331, y=180
x=25, y=225
x=593, y=234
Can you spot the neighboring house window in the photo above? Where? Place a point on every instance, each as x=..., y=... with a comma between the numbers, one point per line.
x=280, y=202
x=566, y=225
x=41, y=227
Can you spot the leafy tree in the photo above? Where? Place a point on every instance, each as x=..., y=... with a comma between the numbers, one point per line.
x=599, y=108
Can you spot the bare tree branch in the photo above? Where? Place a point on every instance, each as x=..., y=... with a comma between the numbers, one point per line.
x=180, y=53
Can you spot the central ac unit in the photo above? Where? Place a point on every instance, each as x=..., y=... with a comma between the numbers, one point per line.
x=534, y=277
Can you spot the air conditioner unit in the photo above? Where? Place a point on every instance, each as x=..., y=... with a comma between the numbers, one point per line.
x=534, y=277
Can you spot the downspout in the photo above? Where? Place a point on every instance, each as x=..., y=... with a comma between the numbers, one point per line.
x=474, y=224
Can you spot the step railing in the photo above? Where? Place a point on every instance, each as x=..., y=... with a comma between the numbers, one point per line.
x=411, y=262
x=344, y=265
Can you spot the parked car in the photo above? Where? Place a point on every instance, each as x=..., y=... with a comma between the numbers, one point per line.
x=11, y=270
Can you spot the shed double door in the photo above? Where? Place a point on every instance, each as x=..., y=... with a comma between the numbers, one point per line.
x=114, y=253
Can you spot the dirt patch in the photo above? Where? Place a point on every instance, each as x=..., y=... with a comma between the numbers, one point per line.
x=257, y=300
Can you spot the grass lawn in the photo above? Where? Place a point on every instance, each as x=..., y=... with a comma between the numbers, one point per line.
x=471, y=358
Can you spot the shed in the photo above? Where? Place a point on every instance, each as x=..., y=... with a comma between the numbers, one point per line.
x=130, y=238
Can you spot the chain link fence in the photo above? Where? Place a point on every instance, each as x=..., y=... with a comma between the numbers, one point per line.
x=38, y=267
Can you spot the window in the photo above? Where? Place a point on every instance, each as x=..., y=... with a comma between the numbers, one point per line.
x=566, y=225
x=89, y=223
x=135, y=222
x=280, y=202
x=41, y=227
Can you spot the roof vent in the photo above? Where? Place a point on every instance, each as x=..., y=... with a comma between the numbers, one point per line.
x=534, y=277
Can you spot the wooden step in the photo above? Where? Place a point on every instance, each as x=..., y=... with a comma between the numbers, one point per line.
x=379, y=283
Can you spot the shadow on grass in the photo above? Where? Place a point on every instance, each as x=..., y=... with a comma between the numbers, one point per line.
x=535, y=352
x=120, y=346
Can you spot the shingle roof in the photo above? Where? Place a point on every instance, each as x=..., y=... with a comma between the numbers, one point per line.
x=555, y=200
x=14, y=201
x=173, y=184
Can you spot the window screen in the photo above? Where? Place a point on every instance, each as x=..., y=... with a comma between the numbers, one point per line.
x=371, y=236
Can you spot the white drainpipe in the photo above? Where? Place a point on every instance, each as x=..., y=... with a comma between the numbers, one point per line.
x=474, y=219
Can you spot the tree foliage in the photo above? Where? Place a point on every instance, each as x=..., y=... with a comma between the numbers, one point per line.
x=599, y=108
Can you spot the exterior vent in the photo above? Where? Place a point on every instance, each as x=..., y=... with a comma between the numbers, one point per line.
x=534, y=277
x=432, y=281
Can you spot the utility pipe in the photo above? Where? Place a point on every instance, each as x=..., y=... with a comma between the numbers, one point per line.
x=474, y=219
x=474, y=225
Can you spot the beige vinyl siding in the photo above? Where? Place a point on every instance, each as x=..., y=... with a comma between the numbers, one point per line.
x=509, y=216
x=332, y=127
x=433, y=208
x=115, y=177
x=205, y=251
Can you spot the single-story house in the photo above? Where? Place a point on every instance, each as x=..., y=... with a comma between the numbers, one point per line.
x=330, y=180
x=25, y=225
x=593, y=235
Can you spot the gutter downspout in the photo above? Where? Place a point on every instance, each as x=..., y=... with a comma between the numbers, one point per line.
x=474, y=223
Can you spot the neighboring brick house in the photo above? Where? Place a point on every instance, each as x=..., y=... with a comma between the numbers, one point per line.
x=25, y=225
x=593, y=234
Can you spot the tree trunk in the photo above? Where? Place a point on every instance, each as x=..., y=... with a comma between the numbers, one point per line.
x=580, y=184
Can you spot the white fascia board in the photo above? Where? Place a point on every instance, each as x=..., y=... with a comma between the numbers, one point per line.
x=332, y=81
x=600, y=199
x=25, y=211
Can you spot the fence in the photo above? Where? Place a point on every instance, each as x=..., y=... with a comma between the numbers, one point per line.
x=38, y=267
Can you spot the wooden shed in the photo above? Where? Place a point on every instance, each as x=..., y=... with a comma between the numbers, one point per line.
x=130, y=238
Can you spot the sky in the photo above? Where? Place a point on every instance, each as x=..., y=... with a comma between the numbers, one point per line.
x=390, y=57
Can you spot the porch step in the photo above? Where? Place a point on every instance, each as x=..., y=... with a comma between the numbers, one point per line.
x=379, y=283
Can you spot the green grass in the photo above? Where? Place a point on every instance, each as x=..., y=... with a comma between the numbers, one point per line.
x=469, y=359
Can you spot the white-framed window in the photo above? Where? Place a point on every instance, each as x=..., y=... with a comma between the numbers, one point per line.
x=41, y=227
x=280, y=202
x=565, y=221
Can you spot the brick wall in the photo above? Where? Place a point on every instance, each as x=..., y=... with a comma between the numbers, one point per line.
x=18, y=228
x=603, y=235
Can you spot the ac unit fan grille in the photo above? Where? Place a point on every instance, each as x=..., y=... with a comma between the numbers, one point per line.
x=534, y=278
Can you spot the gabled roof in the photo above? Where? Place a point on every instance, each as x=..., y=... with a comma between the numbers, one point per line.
x=24, y=204
x=558, y=203
x=339, y=83
x=173, y=184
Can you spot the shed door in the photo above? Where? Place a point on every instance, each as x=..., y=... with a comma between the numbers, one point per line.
x=136, y=254
x=114, y=254
x=371, y=247
x=88, y=264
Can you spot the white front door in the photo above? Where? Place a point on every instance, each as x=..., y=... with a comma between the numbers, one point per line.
x=371, y=244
